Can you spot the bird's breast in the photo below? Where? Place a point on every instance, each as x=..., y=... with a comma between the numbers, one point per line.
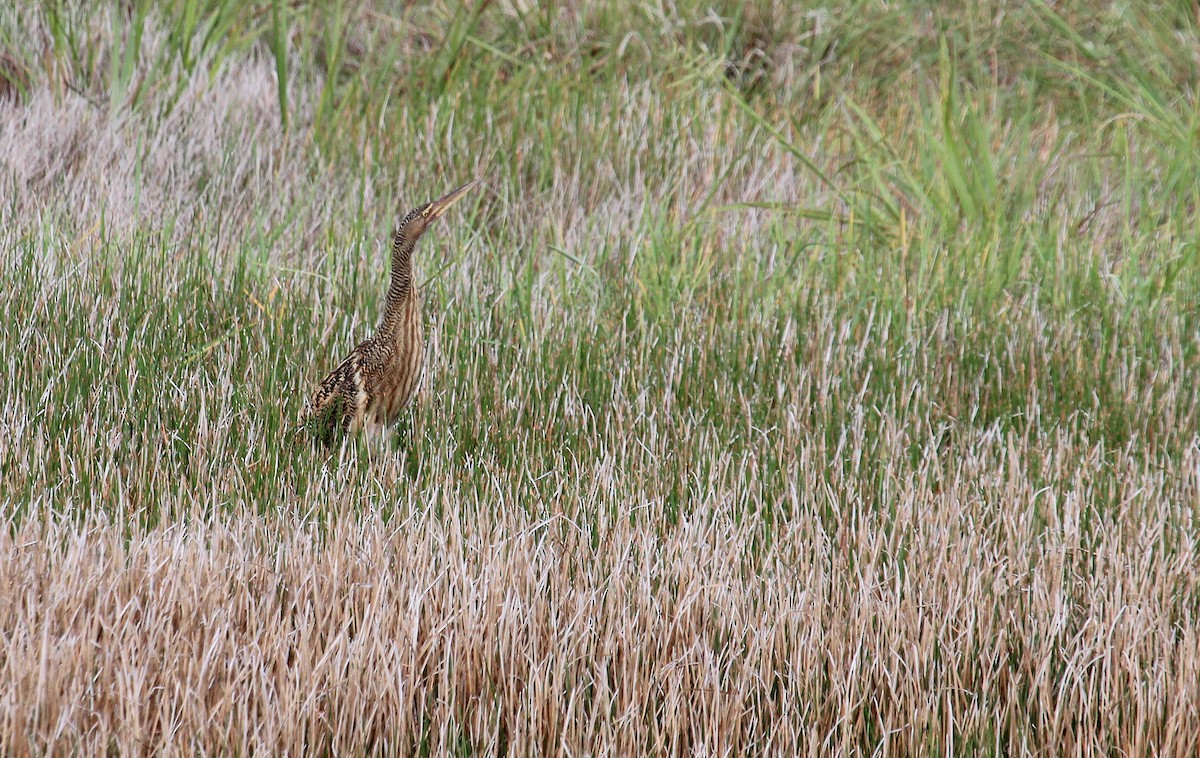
x=400, y=374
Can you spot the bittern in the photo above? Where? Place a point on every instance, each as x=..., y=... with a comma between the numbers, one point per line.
x=382, y=374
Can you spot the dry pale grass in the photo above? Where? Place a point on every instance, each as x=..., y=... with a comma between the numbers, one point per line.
x=681, y=480
x=491, y=627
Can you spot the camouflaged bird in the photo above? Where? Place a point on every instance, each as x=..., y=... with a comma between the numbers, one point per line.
x=382, y=374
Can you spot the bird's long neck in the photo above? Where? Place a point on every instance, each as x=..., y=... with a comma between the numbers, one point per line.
x=402, y=291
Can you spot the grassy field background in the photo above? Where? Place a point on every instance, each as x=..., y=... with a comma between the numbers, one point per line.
x=802, y=381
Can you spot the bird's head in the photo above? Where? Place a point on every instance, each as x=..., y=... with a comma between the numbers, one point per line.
x=420, y=218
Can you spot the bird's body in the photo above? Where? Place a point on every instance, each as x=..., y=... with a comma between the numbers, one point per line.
x=380, y=376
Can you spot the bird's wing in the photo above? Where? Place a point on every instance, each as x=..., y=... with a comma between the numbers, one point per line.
x=338, y=401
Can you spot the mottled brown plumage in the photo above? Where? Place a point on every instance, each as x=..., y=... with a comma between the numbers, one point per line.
x=382, y=374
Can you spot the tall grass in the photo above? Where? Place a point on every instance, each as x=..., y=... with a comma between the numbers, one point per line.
x=803, y=381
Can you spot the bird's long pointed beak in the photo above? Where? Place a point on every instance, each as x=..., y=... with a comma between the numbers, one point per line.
x=442, y=204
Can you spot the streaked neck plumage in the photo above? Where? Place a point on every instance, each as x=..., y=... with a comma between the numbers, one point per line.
x=402, y=290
